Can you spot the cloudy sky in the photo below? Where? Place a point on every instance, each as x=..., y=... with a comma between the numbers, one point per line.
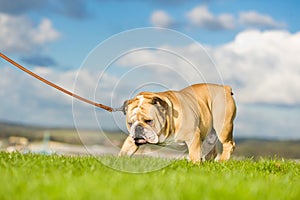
x=107, y=51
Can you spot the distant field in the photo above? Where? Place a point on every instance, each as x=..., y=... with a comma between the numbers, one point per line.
x=248, y=148
x=57, y=177
x=264, y=148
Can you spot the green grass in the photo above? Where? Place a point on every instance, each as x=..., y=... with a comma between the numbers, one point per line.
x=58, y=177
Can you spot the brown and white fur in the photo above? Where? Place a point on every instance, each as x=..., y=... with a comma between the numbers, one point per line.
x=188, y=115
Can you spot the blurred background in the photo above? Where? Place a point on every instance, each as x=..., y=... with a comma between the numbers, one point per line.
x=251, y=45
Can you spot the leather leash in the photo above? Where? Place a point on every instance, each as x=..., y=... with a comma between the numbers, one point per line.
x=107, y=108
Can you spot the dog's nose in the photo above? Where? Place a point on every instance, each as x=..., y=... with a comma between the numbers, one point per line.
x=138, y=130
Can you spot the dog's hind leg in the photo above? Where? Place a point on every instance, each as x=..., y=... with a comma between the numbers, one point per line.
x=227, y=143
x=224, y=111
x=224, y=129
x=209, y=146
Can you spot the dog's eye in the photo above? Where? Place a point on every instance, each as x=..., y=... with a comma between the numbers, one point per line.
x=149, y=121
x=130, y=124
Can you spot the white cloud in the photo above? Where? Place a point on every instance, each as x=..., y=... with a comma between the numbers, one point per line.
x=258, y=20
x=200, y=16
x=18, y=34
x=160, y=18
x=44, y=32
x=261, y=66
x=28, y=100
x=264, y=66
x=169, y=63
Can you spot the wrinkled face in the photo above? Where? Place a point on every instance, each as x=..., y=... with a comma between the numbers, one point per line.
x=146, y=119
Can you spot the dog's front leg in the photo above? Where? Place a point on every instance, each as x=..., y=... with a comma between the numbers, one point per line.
x=128, y=148
x=194, y=146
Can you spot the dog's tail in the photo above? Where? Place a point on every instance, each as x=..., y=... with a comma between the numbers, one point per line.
x=229, y=89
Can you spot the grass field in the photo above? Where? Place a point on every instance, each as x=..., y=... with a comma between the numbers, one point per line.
x=32, y=176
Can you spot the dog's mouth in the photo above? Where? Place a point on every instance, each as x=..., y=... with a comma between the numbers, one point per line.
x=139, y=141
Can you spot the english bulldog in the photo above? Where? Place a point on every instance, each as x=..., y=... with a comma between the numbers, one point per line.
x=189, y=115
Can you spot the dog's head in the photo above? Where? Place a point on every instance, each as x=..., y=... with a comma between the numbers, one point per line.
x=148, y=118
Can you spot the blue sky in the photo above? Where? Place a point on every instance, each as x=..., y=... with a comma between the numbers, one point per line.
x=253, y=44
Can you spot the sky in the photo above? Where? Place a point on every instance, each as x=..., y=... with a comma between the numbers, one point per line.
x=109, y=50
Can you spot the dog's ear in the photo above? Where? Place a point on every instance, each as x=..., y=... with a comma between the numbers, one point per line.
x=158, y=101
x=165, y=105
x=125, y=106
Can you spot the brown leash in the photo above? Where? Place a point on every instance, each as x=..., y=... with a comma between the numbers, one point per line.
x=107, y=108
